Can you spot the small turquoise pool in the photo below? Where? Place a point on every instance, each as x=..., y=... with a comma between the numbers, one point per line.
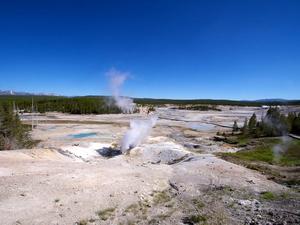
x=82, y=135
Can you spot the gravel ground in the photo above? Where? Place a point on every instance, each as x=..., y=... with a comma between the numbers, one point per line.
x=172, y=178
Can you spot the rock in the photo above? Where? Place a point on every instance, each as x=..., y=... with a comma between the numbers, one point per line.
x=244, y=202
x=173, y=186
x=256, y=205
x=256, y=202
x=250, y=181
x=142, y=197
x=259, y=216
x=248, y=219
x=157, y=162
x=219, y=138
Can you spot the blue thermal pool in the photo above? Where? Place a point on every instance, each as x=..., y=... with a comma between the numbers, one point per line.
x=82, y=135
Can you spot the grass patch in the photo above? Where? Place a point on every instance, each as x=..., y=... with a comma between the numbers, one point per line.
x=106, y=213
x=198, y=204
x=131, y=222
x=238, y=139
x=140, y=207
x=261, y=153
x=290, y=156
x=270, y=156
x=293, y=182
x=243, y=141
x=133, y=208
x=268, y=196
x=161, y=197
x=194, y=219
x=92, y=220
x=82, y=222
x=153, y=221
x=163, y=216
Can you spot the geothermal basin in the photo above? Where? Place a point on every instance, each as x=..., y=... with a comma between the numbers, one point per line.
x=77, y=174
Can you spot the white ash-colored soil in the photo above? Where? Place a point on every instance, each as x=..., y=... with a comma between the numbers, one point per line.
x=65, y=180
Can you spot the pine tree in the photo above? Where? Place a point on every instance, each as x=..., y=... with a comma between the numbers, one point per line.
x=245, y=127
x=252, y=123
x=235, y=127
x=296, y=125
x=13, y=134
x=290, y=120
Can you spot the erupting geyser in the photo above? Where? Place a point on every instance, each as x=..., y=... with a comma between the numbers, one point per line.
x=117, y=79
x=139, y=128
x=138, y=131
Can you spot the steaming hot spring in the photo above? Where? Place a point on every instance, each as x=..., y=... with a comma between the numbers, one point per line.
x=134, y=137
x=136, y=142
x=138, y=131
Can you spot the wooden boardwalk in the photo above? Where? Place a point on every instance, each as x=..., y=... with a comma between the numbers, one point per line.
x=294, y=136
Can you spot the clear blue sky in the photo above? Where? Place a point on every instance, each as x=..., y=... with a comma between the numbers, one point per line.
x=243, y=49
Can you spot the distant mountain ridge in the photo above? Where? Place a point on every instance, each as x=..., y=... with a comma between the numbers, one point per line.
x=272, y=100
x=11, y=92
x=199, y=101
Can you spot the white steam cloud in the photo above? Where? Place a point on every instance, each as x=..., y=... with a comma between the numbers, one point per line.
x=281, y=148
x=116, y=81
x=139, y=129
x=137, y=133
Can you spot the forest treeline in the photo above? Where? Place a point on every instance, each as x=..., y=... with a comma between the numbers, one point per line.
x=273, y=124
x=215, y=102
x=104, y=105
x=13, y=134
x=73, y=105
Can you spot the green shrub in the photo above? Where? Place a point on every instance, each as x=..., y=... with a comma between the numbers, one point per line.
x=268, y=195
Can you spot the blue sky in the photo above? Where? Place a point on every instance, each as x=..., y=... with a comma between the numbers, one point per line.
x=245, y=49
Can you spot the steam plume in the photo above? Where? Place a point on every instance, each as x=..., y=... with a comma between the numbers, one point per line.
x=117, y=79
x=139, y=129
x=281, y=148
x=137, y=133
